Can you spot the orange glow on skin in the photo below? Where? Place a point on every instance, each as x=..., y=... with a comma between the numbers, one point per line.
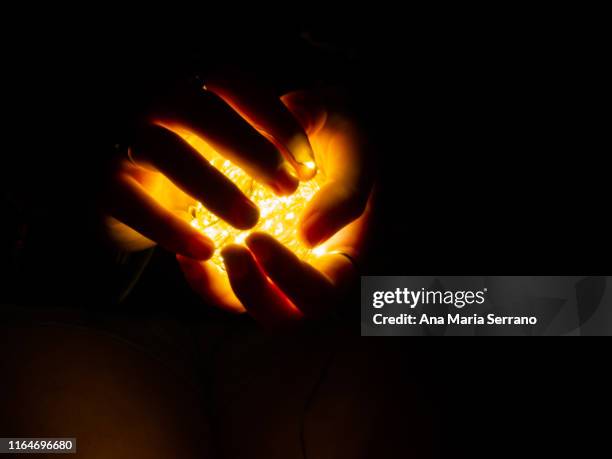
x=279, y=216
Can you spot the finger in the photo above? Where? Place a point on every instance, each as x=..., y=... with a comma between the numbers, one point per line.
x=129, y=203
x=210, y=283
x=191, y=172
x=306, y=287
x=208, y=116
x=265, y=111
x=262, y=299
x=349, y=179
x=308, y=108
x=333, y=207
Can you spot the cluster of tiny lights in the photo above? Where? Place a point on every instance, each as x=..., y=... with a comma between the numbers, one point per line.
x=278, y=216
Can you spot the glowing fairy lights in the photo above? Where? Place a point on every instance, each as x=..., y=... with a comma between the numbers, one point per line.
x=278, y=215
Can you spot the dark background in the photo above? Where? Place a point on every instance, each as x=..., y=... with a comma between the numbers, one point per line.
x=486, y=134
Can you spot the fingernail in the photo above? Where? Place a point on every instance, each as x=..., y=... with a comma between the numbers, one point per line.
x=201, y=247
x=301, y=151
x=235, y=260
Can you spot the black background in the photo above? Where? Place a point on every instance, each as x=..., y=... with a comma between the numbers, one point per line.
x=486, y=139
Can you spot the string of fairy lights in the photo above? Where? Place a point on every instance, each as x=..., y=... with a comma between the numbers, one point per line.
x=279, y=215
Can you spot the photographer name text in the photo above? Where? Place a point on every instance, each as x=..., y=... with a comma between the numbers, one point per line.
x=457, y=299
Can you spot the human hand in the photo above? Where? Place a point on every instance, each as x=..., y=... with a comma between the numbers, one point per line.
x=147, y=195
x=267, y=279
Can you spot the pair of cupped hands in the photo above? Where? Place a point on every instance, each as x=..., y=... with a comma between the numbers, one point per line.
x=275, y=140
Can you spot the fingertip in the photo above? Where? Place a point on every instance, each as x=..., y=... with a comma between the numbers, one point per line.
x=246, y=215
x=236, y=260
x=302, y=156
x=258, y=238
x=261, y=244
x=285, y=181
x=232, y=250
x=307, y=170
x=251, y=215
x=201, y=247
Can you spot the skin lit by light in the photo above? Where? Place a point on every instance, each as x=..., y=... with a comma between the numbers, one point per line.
x=310, y=165
x=279, y=216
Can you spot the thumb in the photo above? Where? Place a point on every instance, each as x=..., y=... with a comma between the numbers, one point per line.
x=333, y=207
